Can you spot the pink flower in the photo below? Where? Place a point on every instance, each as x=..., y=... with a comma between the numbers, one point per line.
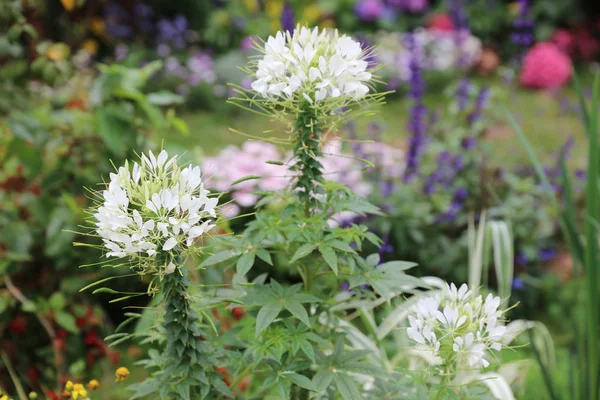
x=441, y=22
x=545, y=67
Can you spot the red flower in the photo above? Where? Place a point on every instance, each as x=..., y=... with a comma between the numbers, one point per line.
x=18, y=325
x=52, y=395
x=440, y=21
x=586, y=46
x=59, y=344
x=564, y=40
x=545, y=67
x=238, y=313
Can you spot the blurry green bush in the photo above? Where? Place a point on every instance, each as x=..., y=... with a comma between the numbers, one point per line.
x=60, y=124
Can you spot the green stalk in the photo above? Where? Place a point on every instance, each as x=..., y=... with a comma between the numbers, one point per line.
x=591, y=253
x=188, y=362
x=307, y=136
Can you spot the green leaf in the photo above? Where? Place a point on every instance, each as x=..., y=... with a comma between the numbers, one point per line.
x=338, y=244
x=57, y=301
x=244, y=263
x=114, y=131
x=246, y=178
x=300, y=380
x=180, y=125
x=164, y=98
x=67, y=321
x=266, y=316
x=302, y=252
x=219, y=257
x=347, y=387
x=397, y=265
x=265, y=256
x=330, y=258
x=297, y=311
x=29, y=306
x=322, y=379
x=145, y=388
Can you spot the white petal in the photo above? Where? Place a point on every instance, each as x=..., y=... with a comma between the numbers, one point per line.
x=169, y=244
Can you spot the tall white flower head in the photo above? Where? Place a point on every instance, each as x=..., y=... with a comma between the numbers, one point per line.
x=457, y=328
x=322, y=69
x=153, y=212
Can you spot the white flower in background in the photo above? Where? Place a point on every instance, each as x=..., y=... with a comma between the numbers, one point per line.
x=312, y=65
x=434, y=50
x=156, y=207
x=457, y=327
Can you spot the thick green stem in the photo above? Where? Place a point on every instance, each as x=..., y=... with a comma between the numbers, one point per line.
x=187, y=356
x=306, y=152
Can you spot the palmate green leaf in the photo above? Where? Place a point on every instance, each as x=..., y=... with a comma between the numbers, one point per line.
x=302, y=252
x=144, y=388
x=323, y=379
x=300, y=380
x=266, y=315
x=298, y=311
x=219, y=257
x=330, y=257
x=347, y=387
x=244, y=263
x=338, y=244
x=265, y=256
x=283, y=387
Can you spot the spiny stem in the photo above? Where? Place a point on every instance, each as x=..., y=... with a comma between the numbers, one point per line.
x=306, y=152
x=186, y=354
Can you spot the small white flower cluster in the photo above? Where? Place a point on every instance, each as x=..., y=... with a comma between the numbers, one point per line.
x=312, y=65
x=457, y=328
x=157, y=206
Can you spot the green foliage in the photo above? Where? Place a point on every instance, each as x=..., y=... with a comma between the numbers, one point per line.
x=584, y=250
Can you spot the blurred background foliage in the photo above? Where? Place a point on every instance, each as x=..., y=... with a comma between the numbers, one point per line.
x=87, y=84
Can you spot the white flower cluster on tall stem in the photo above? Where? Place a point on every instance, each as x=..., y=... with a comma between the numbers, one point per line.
x=457, y=328
x=154, y=209
x=312, y=65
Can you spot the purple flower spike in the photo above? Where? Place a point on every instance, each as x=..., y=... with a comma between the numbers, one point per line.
x=369, y=10
x=287, y=18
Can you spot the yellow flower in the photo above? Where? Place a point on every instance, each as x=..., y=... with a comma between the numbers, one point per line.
x=90, y=45
x=5, y=397
x=93, y=384
x=69, y=5
x=122, y=373
x=98, y=26
x=69, y=385
x=78, y=390
x=327, y=23
x=251, y=5
x=311, y=13
x=514, y=8
x=274, y=8
x=58, y=52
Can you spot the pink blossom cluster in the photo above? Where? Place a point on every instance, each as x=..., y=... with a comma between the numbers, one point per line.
x=267, y=162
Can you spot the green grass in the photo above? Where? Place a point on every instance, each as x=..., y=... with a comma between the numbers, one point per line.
x=538, y=114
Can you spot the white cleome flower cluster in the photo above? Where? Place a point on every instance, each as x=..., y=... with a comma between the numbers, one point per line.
x=157, y=206
x=312, y=65
x=457, y=328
